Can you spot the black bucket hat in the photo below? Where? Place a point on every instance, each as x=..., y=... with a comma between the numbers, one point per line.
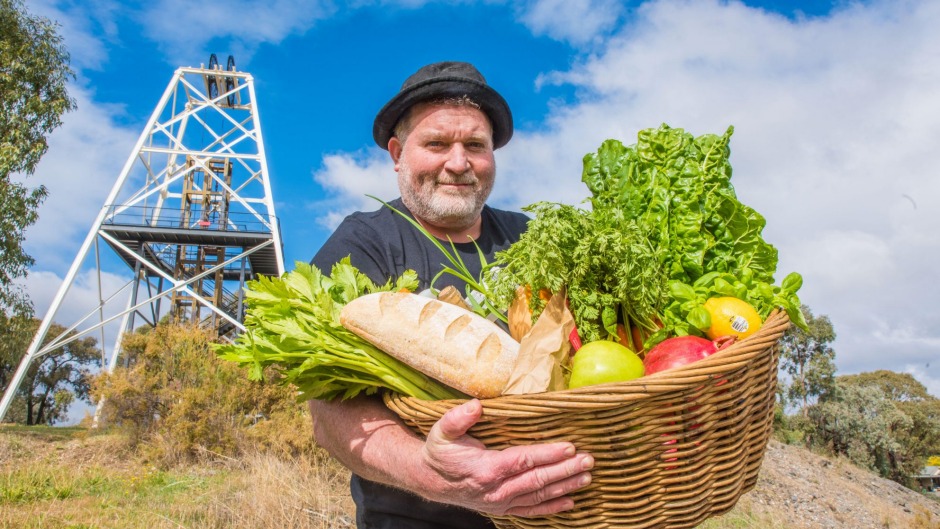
x=440, y=80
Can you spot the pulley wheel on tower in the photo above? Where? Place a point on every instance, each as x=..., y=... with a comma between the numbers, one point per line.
x=212, y=87
x=230, y=81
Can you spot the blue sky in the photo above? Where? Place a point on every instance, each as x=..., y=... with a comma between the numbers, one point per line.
x=837, y=123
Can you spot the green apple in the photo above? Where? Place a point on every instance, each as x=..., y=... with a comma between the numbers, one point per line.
x=603, y=361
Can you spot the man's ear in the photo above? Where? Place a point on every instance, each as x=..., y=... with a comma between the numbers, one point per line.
x=394, y=149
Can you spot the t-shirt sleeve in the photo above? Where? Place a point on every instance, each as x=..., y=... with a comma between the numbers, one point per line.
x=508, y=226
x=362, y=244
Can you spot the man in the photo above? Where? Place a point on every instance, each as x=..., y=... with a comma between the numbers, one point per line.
x=441, y=130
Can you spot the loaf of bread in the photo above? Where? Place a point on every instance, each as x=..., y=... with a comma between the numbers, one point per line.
x=455, y=346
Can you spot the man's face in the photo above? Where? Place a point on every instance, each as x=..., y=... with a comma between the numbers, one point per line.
x=445, y=166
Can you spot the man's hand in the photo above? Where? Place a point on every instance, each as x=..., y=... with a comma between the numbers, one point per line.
x=522, y=480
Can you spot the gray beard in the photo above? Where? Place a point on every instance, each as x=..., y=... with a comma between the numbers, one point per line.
x=440, y=210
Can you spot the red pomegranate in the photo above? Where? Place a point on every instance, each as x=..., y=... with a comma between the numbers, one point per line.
x=682, y=350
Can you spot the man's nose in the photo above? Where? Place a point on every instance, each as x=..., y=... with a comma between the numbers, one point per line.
x=457, y=160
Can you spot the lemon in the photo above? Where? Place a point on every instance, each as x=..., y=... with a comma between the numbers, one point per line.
x=731, y=317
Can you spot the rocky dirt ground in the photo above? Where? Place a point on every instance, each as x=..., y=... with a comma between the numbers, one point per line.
x=804, y=490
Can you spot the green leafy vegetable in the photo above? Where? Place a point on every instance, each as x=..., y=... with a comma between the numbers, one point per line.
x=678, y=190
x=601, y=257
x=293, y=324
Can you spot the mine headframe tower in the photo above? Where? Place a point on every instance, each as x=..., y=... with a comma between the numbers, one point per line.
x=191, y=215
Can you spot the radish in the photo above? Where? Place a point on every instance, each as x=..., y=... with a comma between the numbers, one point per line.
x=682, y=350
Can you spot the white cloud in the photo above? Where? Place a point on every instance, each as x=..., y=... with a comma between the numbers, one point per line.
x=575, y=21
x=348, y=178
x=78, y=22
x=82, y=298
x=85, y=157
x=183, y=30
x=842, y=260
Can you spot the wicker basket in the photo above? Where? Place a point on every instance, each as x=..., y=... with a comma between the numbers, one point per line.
x=671, y=449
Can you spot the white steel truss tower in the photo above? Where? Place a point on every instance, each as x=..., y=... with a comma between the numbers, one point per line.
x=191, y=214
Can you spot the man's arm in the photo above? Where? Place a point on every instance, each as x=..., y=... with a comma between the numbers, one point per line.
x=450, y=467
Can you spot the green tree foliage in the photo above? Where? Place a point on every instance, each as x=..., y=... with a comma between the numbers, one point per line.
x=899, y=387
x=922, y=440
x=34, y=71
x=60, y=377
x=179, y=401
x=882, y=420
x=859, y=422
x=808, y=360
x=16, y=331
x=54, y=381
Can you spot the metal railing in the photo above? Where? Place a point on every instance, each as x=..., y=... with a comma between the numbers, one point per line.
x=206, y=220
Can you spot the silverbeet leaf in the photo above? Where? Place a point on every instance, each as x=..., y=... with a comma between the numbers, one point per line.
x=677, y=189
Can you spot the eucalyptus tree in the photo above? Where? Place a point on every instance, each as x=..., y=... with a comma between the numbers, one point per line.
x=34, y=74
x=808, y=360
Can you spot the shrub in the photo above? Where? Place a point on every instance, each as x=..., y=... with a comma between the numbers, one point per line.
x=178, y=401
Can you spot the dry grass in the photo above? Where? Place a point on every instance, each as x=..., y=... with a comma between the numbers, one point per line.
x=84, y=481
x=269, y=492
x=923, y=519
x=746, y=515
x=93, y=481
x=54, y=478
x=51, y=478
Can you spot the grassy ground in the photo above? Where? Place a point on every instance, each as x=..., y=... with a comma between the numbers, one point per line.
x=70, y=478
x=76, y=478
x=744, y=516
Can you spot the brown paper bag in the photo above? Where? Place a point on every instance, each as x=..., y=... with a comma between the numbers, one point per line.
x=452, y=296
x=519, y=315
x=543, y=350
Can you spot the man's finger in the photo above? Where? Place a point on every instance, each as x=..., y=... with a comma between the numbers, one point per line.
x=550, y=507
x=519, y=459
x=549, y=481
x=457, y=421
x=552, y=491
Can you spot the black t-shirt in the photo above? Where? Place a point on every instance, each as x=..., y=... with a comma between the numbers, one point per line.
x=382, y=245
